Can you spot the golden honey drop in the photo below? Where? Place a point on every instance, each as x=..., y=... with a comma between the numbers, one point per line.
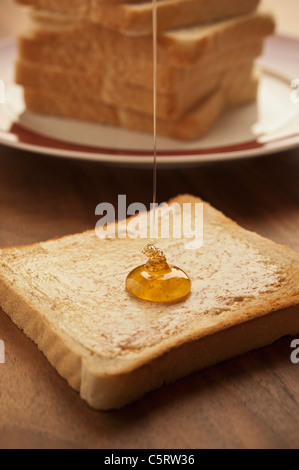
x=158, y=281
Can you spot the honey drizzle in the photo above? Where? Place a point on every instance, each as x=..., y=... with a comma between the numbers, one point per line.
x=157, y=281
x=155, y=51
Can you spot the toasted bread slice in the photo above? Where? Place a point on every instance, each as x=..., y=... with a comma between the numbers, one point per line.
x=68, y=295
x=76, y=8
x=170, y=78
x=178, y=47
x=136, y=18
x=115, y=92
x=192, y=125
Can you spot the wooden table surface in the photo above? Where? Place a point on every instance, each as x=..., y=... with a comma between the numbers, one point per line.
x=248, y=402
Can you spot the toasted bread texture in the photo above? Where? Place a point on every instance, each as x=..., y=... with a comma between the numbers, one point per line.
x=116, y=92
x=170, y=78
x=180, y=47
x=192, y=125
x=136, y=18
x=68, y=295
x=71, y=64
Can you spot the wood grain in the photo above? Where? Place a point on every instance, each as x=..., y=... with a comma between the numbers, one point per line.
x=248, y=402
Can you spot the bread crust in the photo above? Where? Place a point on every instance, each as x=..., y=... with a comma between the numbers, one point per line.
x=186, y=359
x=180, y=47
x=115, y=92
x=170, y=79
x=136, y=18
x=191, y=125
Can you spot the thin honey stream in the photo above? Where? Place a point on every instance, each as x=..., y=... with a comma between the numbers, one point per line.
x=157, y=281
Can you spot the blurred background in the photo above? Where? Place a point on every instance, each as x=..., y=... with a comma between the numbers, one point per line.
x=286, y=23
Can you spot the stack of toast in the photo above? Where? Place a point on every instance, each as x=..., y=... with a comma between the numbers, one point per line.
x=93, y=60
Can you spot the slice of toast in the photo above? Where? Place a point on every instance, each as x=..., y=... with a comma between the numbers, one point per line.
x=116, y=92
x=76, y=8
x=192, y=125
x=178, y=47
x=136, y=18
x=170, y=78
x=68, y=295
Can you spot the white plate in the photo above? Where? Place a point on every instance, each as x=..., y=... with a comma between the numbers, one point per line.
x=271, y=125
